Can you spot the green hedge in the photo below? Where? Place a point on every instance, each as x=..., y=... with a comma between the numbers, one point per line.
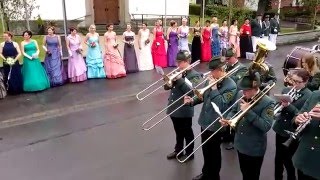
x=223, y=12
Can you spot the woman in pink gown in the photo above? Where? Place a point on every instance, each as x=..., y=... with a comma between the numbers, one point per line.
x=158, y=48
x=234, y=37
x=113, y=62
x=206, y=43
x=77, y=70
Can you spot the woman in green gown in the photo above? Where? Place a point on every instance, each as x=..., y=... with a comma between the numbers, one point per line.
x=34, y=75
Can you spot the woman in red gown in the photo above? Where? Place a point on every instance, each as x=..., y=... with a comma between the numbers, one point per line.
x=158, y=48
x=206, y=43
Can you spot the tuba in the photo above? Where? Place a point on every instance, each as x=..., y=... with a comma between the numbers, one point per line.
x=258, y=64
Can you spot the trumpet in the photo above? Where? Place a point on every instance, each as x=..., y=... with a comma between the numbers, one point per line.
x=279, y=107
x=164, y=109
x=167, y=78
x=236, y=118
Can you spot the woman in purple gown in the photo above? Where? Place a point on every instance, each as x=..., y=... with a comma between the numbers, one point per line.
x=53, y=63
x=172, y=37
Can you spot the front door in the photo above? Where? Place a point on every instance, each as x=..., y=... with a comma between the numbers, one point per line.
x=112, y=11
x=100, y=11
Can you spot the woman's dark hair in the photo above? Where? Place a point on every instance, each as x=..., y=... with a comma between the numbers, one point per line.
x=28, y=32
x=208, y=21
x=108, y=25
x=52, y=28
x=233, y=21
x=10, y=34
x=196, y=21
x=145, y=24
x=172, y=22
x=72, y=29
x=247, y=19
x=304, y=74
x=224, y=21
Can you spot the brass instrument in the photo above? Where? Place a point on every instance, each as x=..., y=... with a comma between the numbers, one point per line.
x=197, y=92
x=236, y=118
x=294, y=135
x=167, y=78
x=199, y=135
x=264, y=46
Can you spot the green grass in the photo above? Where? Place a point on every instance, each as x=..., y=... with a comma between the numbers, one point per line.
x=288, y=30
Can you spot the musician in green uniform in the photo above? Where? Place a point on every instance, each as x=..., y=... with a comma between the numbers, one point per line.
x=182, y=118
x=307, y=157
x=251, y=130
x=285, y=113
x=233, y=62
x=221, y=94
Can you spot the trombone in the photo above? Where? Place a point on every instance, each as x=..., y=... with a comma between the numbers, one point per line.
x=168, y=78
x=199, y=93
x=234, y=121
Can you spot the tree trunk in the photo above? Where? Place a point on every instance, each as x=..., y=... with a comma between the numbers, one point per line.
x=262, y=4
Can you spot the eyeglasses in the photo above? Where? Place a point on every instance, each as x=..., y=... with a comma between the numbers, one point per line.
x=296, y=81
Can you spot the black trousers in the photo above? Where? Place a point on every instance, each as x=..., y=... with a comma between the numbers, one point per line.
x=302, y=176
x=184, y=132
x=228, y=135
x=250, y=166
x=283, y=158
x=212, y=155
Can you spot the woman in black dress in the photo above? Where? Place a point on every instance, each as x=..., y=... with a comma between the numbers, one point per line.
x=12, y=72
x=196, y=43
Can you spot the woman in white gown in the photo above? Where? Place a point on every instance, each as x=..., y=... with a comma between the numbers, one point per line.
x=145, y=58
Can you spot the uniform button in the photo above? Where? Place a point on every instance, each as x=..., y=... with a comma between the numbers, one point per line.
x=242, y=125
x=241, y=133
x=285, y=120
x=171, y=93
x=174, y=87
x=312, y=148
x=316, y=137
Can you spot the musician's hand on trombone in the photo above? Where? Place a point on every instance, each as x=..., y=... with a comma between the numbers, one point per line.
x=285, y=103
x=188, y=100
x=224, y=122
x=178, y=77
x=244, y=105
x=212, y=80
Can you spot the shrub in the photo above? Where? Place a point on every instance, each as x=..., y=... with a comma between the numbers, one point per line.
x=194, y=9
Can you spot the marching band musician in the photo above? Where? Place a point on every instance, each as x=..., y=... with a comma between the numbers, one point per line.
x=283, y=121
x=182, y=118
x=221, y=94
x=307, y=157
x=269, y=77
x=251, y=131
x=232, y=62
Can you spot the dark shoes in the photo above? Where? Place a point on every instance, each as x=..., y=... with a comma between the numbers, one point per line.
x=173, y=155
x=230, y=146
x=199, y=177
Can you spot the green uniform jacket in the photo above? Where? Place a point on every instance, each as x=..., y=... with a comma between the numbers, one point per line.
x=307, y=156
x=251, y=131
x=269, y=77
x=242, y=70
x=274, y=25
x=314, y=82
x=284, y=120
x=222, y=96
x=178, y=89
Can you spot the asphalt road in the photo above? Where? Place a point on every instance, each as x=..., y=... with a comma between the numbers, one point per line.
x=92, y=130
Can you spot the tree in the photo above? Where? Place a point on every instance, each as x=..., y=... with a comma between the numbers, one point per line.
x=18, y=9
x=312, y=7
x=263, y=5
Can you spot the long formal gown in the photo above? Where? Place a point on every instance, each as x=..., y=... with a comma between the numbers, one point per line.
x=94, y=59
x=158, y=50
x=215, y=44
x=77, y=70
x=129, y=54
x=196, y=44
x=13, y=76
x=34, y=75
x=245, y=40
x=172, y=49
x=113, y=63
x=53, y=63
x=206, y=45
x=145, y=58
x=224, y=41
x=183, y=40
x=234, y=39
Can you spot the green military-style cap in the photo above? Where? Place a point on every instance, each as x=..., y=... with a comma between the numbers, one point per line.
x=215, y=63
x=249, y=81
x=230, y=52
x=183, y=55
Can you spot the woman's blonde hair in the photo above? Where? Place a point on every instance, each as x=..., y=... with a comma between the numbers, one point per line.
x=311, y=63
